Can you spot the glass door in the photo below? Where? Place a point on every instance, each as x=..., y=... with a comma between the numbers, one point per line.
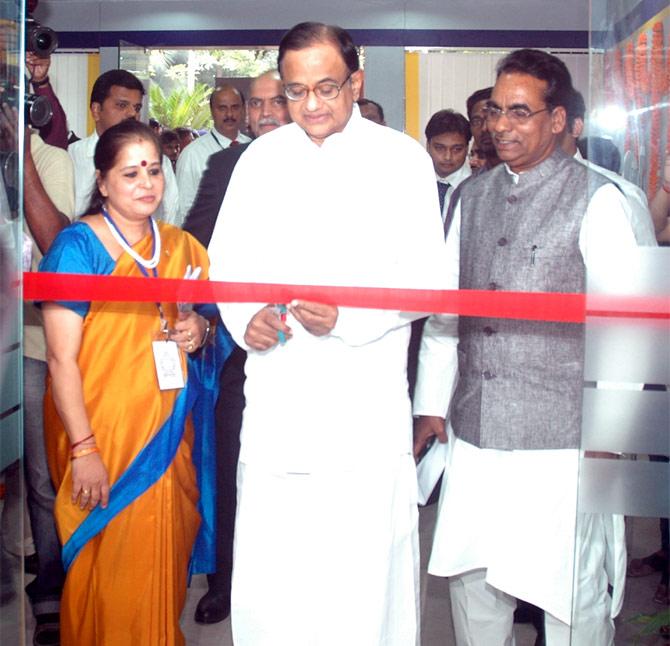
x=12, y=629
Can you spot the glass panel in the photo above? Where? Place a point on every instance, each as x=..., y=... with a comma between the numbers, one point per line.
x=623, y=421
x=627, y=125
x=135, y=59
x=11, y=249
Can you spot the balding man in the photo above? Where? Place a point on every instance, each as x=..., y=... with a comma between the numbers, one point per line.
x=266, y=110
x=227, y=107
x=371, y=110
x=326, y=527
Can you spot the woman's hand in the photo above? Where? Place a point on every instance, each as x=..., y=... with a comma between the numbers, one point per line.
x=189, y=331
x=90, y=483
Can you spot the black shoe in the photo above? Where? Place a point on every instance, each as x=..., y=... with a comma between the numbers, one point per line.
x=212, y=608
x=47, y=630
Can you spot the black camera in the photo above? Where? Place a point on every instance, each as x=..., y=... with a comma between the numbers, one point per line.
x=40, y=39
x=38, y=108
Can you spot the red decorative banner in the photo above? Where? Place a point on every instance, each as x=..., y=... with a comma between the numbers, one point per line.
x=536, y=306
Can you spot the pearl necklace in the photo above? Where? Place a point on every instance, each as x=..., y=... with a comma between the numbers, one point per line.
x=123, y=243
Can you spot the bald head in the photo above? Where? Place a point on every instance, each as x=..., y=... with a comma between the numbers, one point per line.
x=266, y=107
x=227, y=106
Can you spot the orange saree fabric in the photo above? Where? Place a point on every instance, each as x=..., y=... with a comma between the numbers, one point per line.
x=127, y=585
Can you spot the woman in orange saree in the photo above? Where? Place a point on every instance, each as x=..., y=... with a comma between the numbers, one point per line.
x=108, y=424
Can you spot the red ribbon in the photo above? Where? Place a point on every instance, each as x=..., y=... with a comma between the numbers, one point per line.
x=535, y=306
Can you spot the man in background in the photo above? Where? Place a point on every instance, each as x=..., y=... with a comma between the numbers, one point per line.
x=476, y=109
x=227, y=107
x=371, y=110
x=116, y=96
x=447, y=139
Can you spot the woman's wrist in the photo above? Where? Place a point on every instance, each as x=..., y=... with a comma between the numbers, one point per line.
x=82, y=452
x=84, y=441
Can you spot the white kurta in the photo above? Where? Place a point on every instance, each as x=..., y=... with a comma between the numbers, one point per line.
x=192, y=163
x=81, y=152
x=359, y=210
x=513, y=512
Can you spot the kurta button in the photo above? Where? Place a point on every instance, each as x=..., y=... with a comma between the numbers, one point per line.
x=488, y=330
x=502, y=242
x=512, y=199
x=487, y=375
x=493, y=285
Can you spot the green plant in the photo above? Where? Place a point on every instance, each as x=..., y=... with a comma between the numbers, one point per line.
x=650, y=624
x=181, y=107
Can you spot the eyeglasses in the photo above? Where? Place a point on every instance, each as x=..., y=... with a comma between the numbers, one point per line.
x=477, y=122
x=275, y=102
x=514, y=115
x=326, y=90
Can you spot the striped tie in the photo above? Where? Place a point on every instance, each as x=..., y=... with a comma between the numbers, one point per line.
x=442, y=189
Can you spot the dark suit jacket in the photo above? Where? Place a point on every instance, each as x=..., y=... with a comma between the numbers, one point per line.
x=201, y=218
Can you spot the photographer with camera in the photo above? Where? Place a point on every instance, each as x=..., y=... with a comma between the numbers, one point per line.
x=54, y=132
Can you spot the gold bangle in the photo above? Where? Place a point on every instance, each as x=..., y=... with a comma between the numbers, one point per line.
x=87, y=451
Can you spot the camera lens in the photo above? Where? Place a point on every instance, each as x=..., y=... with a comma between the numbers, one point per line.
x=39, y=39
x=43, y=41
x=39, y=110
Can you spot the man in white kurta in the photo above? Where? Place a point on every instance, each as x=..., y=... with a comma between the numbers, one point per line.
x=326, y=532
x=508, y=524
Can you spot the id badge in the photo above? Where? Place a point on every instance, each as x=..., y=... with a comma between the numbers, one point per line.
x=168, y=365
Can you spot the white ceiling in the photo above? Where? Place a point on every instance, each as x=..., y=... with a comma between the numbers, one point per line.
x=92, y=15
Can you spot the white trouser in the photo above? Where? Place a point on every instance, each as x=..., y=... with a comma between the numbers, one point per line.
x=483, y=615
x=326, y=559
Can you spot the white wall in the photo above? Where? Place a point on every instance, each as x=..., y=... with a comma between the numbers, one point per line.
x=69, y=78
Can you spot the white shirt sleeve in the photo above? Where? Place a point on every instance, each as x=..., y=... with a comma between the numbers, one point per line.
x=189, y=172
x=438, y=357
x=168, y=207
x=606, y=227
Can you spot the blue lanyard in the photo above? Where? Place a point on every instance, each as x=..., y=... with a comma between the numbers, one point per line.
x=108, y=217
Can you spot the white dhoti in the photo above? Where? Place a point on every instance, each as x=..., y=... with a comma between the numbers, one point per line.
x=327, y=558
x=512, y=517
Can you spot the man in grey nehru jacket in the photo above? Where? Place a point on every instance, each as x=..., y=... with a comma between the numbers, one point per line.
x=535, y=223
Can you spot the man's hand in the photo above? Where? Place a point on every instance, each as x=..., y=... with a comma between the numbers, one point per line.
x=427, y=427
x=263, y=330
x=37, y=67
x=318, y=319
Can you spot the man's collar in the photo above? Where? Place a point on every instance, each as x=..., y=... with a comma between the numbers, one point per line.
x=544, y=168
x=222, y=139
x=456, y=175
